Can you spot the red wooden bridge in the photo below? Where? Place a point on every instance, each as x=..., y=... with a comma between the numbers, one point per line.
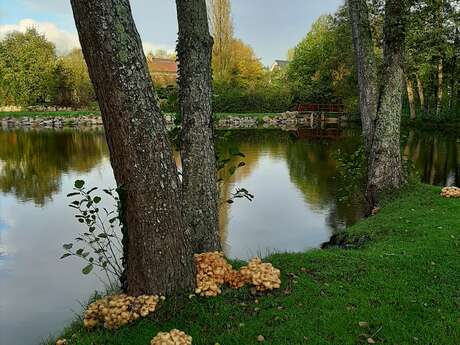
x=320, y=108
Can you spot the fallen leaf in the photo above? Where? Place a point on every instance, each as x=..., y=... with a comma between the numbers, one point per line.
x=363, y=324
x=260, y=338
x=370, y=341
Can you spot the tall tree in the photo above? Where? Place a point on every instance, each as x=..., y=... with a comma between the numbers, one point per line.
x=222, y=32
x=27, y=68
x=380, y=103
x=199, y=180
x=366, y=68
x=159, y=255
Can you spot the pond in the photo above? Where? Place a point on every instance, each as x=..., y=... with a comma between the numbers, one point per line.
x=293, y=176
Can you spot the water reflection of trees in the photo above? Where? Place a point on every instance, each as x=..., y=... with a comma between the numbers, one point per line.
x=435, y=156
x=33, y=161
x=312, y=169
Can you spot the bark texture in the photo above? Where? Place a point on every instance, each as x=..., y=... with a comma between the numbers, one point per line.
x=380, y=103
x=366, y=67
x=411, y=98
x=159, y=257
x=199, y=178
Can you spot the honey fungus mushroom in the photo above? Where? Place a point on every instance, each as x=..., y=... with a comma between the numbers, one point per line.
x=174, y=337
x=212, y=269
x=450, y=192
x=118, y=310
x=262, y=275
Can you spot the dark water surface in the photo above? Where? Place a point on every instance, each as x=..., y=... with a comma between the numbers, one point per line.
x=296, y=207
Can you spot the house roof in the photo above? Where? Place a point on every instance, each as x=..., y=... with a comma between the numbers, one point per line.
x=157, y=65
x=282, y=63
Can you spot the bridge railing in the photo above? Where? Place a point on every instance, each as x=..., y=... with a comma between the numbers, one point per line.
x=327, y=108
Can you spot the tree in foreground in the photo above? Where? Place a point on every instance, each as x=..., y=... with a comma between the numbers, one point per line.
x=380, y=101
x=199, y=179
x=159, y=255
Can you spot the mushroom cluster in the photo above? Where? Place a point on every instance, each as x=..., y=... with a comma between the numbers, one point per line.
x=450, y=192
x=213, y=271
x=118, y=310
x=174, y=337
x=262, y=275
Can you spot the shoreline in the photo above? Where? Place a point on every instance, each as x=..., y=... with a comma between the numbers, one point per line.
x=400, y=271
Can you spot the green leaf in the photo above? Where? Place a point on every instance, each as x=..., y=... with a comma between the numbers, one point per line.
x=92, y=190
x=241, y=164
x=97, y=199
x=87, y=269
x=79, y=184
x=65, y=255
x=102, y=235
x=67, y=246
x=79, y=251
x=73, y=194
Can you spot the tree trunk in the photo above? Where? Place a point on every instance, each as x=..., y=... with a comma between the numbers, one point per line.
x=453, y=75
x=159, y=256
x=366, y=66
x=199, y=178
x=385, y=164
x=410, y=96
x=439, y=92
x=380, y=109
x=421, y=94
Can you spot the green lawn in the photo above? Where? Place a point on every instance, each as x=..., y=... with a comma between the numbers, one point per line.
x=17, y=114
x=401, y=280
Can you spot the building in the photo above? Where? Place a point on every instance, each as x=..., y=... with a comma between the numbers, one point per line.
x=163, y=71
x=279, y=65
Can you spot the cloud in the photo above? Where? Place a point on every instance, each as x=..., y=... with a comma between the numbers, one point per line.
x=151, y=47
x=63, y=40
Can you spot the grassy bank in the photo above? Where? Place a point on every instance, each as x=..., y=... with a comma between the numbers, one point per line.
x=19, y=114
x=400, y=280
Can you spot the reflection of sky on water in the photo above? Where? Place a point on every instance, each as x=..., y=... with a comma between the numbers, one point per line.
x=295, y=208
x=40, y=291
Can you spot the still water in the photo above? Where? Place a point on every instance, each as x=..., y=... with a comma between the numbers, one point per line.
x=293, y=176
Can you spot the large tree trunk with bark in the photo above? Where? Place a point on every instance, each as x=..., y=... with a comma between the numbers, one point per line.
x=159, y=256
x=366, y=67
x=380, y=106
x=411, y=98
x=385, y=163
x=199, y=178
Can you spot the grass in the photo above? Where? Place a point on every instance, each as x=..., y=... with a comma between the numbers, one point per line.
x=18, y=114
x=401, y=278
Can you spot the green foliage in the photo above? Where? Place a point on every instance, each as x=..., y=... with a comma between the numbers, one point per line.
x=74, y=85
x=322, y=69
x=27, y=69
x=264, y=97
x=100, y=245
x=401, y=285
x=351, y=174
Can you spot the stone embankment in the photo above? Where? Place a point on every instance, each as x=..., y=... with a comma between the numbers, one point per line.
x=52, y=121
x=285, y=120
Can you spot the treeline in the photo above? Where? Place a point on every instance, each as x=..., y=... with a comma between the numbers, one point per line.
x=31, y=73
x=323, y=64
x=321, y=68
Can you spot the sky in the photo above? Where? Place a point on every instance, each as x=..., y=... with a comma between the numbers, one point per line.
x=270, y=27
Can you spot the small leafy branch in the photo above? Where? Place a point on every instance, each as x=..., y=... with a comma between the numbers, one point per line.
x=100, y=245
x=227, y=169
